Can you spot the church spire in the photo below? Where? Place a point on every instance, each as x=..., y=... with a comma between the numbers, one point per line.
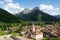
x=33, y=27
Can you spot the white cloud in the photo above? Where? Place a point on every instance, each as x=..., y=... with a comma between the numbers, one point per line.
x=9, y=0
x=13, y=8
x=50, y=9
x=46, y=7
x=57, y=9
x=30, y=8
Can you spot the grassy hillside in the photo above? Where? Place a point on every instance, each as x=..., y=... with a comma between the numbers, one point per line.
x=7, y=17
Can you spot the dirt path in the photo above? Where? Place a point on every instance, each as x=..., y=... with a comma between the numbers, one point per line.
x=23, y=38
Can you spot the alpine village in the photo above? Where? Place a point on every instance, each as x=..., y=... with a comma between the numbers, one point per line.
x=29, y=25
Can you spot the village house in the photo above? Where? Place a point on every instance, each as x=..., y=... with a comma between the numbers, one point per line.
x=36, y=33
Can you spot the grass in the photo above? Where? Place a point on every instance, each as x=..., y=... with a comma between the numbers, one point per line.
x=51, y=38
x=58, y=28
x=6, y=33
x=14, y=34
x=3, y=33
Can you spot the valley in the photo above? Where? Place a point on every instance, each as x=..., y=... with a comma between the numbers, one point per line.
x=29, y=25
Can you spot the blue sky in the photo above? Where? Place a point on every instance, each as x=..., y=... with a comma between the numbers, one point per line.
x=51, y=7
x=38, y=2
x=33, y=3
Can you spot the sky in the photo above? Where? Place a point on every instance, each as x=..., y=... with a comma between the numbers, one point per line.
x=51, y=7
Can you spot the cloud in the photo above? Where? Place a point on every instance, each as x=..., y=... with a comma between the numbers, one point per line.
x=9, y=0
x=50, y=9
x=13, y=8
x=30, y=8
x=46, y=7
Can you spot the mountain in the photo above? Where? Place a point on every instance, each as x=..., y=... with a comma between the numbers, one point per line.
x=25, y=11
x=24, y=15
x=36, y=15
x=58, y=16
x=5, y=16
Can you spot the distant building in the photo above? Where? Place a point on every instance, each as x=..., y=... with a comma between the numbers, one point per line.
x=37, y=34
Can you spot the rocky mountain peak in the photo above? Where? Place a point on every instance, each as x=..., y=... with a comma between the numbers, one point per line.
x=36, y=8
x=26, y=11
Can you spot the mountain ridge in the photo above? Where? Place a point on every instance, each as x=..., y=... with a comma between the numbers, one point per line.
x=33, y=15
x=5, y=16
